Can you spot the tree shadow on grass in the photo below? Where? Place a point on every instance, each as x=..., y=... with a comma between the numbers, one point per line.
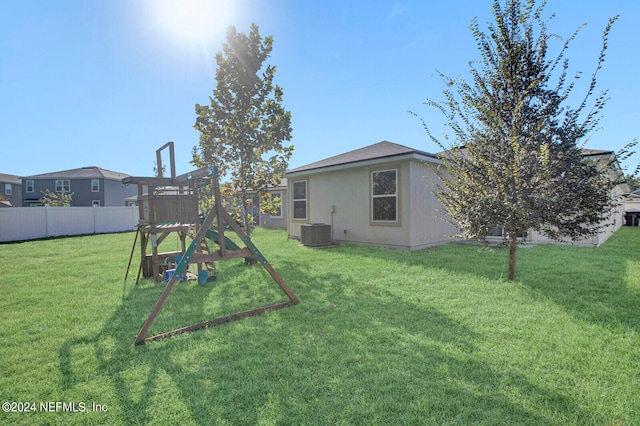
x=341, y=356
x=599, y=285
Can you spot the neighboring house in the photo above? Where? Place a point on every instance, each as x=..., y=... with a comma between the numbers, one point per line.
x=378, y=196
x=10, y=191
x=613, y=221
x=632, y=208
x=91, y=186
x=278, y=220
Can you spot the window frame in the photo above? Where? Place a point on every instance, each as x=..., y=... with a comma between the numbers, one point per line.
x=305, y=200
x=373, y=196
x=497, y=233
x=94, y=183
x=60, y=185
x=29, y=186
x=8, y=189
x=279, y=194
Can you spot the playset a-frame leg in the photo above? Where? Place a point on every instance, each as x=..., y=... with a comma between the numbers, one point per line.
x=190, y=256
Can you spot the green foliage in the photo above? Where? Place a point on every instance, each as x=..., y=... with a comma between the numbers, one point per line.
x=244, y=129
x=516, y=157
x=380, y=337
x=633, y=181
x=270, y=205
x=59, y=199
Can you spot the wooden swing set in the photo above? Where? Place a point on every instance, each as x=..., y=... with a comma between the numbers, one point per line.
x=171, y=205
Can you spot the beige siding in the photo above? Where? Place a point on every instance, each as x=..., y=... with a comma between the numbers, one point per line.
x=427, y=227
x=348, y=193
x=612, y=223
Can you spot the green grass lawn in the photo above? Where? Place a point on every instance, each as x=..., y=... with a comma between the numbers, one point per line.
x=379, y=337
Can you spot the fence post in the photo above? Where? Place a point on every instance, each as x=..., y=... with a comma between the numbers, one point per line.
x=46, y=220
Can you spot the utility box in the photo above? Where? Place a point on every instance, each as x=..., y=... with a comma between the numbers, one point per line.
x=315, y=234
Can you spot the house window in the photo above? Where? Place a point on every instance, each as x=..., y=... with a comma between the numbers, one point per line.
x=29, y=185
x=274, y=197
x=8, y=189
x=300, y=199
x=384, y=196
x=498, y=231
x=63, y=185
x=95, y=203
x=95, y=185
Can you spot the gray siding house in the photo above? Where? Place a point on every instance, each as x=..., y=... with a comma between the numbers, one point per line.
x=278, y=220
x=91, y=186
x=10, y=191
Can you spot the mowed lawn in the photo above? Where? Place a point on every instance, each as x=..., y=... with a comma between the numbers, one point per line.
x=379, y=337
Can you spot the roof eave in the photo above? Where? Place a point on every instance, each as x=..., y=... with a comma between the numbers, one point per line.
x=364, y=163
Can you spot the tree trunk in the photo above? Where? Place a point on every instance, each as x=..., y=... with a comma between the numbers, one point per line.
x=247, y=222
x=513, y=245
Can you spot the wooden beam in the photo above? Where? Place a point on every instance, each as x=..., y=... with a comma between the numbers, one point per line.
x=218, y=321
x=174, y=279
x=192, y=256
x=215, y=256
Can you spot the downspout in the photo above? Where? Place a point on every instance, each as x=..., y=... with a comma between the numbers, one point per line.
x=332, y=211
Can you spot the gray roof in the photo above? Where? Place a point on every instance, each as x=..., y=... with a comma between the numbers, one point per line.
x=376, y=151
x=91, y=172
x=5, y=178
x=586, y=152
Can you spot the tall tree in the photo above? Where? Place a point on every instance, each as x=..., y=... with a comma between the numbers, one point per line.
x=244, y=129
x=514, y=159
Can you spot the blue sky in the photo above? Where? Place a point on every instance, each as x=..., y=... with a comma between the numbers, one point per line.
x=107, y=82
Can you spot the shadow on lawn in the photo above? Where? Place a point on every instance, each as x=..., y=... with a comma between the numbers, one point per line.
x=337, y=357
x=599, y=285
x=121, y=362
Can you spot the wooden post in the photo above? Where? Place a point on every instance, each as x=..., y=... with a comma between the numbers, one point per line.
x=184, y=261
x=193, y=251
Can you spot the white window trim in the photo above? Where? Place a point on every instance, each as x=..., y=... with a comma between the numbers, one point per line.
x=98, y=182
x=395, y=195
x=95, y=203
x=8, y=189
x=63, y=185
x=29, y=186
x=306, y=200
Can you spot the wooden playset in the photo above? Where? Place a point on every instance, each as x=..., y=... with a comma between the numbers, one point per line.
x=171, y=206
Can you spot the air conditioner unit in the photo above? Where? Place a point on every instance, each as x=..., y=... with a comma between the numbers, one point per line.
x=315, y=234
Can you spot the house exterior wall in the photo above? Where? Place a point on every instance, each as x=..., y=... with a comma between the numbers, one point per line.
x=39, y=186
x=342, y=198
x=339, y=193
x=114, y=192
x=279, y=222
x=611, y=223
x=82, y=195
x=428, y=227
x=16, y=193
x=111, y=192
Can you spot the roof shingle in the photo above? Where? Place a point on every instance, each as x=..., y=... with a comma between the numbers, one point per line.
x=376, y=151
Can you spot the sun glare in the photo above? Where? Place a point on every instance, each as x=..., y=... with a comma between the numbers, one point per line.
x=192, y=21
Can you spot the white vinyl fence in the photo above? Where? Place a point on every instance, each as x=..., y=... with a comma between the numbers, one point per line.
x=28, y=223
